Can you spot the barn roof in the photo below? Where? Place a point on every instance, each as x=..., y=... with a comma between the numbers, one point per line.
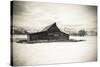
x=51, y=26
x=47, y=27
x=51, y=29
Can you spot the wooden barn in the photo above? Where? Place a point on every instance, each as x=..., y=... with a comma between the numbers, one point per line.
x=49, y=33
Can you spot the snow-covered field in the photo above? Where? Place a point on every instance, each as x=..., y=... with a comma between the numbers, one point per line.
x=55, y=52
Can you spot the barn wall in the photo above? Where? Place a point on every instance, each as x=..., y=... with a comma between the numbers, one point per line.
x=49, y=36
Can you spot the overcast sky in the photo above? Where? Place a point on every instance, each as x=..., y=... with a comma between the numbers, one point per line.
x=34, y=16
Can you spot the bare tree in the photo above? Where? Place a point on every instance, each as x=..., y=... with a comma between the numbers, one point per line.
x=82, y=33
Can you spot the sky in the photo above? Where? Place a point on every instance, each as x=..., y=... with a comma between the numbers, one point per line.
x=34, y=16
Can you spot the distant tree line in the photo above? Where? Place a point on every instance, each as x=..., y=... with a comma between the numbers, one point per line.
x=79, y=33
x=18, y=30
x=84, y=33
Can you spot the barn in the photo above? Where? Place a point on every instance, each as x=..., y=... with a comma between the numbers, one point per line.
x=49, y=33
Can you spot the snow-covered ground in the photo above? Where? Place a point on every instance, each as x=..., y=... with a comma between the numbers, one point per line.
x=55, y=52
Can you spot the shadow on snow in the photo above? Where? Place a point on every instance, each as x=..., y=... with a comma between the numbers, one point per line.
x=47, y=41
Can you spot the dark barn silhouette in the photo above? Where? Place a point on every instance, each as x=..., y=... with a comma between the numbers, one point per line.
x=49, y=33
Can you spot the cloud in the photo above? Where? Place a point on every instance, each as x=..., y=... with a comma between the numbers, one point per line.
x=37, y=15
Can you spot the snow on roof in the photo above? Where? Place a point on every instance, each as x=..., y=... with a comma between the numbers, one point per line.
x=46, y=28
